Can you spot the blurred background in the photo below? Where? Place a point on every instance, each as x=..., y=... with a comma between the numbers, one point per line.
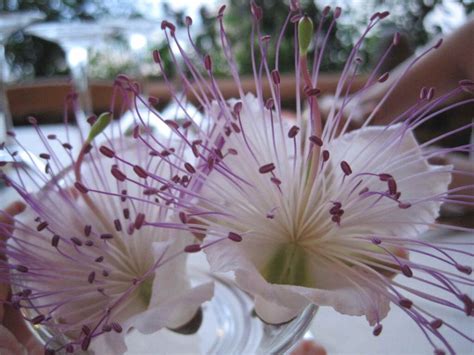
x=119, y=35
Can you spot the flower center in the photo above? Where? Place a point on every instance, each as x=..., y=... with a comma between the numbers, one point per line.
x=288, y=266
x=145, y=290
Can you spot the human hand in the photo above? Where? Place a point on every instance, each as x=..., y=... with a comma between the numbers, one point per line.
x=15, y=337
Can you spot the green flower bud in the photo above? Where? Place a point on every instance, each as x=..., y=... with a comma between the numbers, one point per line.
x=99, y=126
x=305, y=34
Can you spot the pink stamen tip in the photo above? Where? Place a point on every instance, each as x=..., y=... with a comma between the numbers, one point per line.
x=293, y=131
x=383, y=14
x=153, y=101
x=99, y=259
x=221, y=10
x=376, y=241
x=337, y=12
x=257, y=11
x=377, y=330
x=140, y=171
x=208, y=62
x=51, y=136
x=346, y=168
x=67, y=146
x=156, y=56
x=264, y=169
x=439, y=352
x=438, y=44
x=32, y=120
x=188, y=21
x=80, y=187
x=192, y=248
x=109, y=153
x=91, y=119
x=234, y=237
x=385, y=177
x=269, y=104
x=326, y=11
x=232, y=151
x=168, y=25
x=45, y=156
x=396, y=38
x=117, y=327
x=105, y=236
x=316, y=140
x=383, y=77
x=275, y=180
x=312, y=91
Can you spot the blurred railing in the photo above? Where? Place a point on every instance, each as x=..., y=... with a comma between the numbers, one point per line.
x=45, y=98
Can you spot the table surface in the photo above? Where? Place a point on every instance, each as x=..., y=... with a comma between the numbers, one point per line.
x=342, y=334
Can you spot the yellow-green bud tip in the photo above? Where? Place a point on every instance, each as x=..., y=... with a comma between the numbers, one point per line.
x=305, y=34
x=100, y=124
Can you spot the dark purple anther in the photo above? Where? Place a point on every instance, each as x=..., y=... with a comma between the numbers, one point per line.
x=326, y=11
x=172, y=124
x=406, y=270
x=468, y=305
x=237, y=107
x=45, y=156
x=89, y=243
x=438, y=44
x=325, y=155
x=383, y=14
x=32, y=120
x=139, y=220
x=116, y=327
x=156, y=56
x=99, y=259
x=188, y=21
x=192, y=248
x=106, y=328
x=234, y=237
x=376, y=241
x=87, y=230
x=377, y=330
x=293, y=131
x=51, y=136
x=38, y=319
x=208, y=62
x=80, y=187
x=264, y=169
x=126, y=213
x=312, y=91
x=140, y=171
x=190, y=169
x=116, y=173
x=346, y=168
x=232, y=151
x=182, y=217
x=69, y=348
x=392, y=186
x=465, y=269
x=118, y=225
x=235, y=127
x=55, y=240
x=404, y=205
x=67, y=146
x=276, y=77
x=42, y=226
x=385, y=177
x=337, y=12
x=109, y=153
x=316, y=140
x=405, y=303
x=76, y=241
x=106, y=236
x=436, y=324
x=91, y=277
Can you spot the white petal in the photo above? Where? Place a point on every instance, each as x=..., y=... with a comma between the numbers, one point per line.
x=9, y=345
